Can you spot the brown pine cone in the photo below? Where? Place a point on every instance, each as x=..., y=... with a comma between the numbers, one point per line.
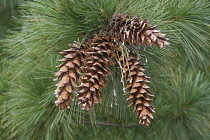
x=98, y=56
x=131, y=31
x=68, y=75
x=136, y=85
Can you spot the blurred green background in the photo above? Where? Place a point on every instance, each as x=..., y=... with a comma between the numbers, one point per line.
x=8, y=10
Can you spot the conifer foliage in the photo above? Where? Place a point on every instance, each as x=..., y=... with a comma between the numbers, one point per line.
x=110, y=61
x=88, y=64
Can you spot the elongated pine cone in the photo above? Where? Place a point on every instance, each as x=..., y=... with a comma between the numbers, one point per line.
x=136, y=85
x=134, y=32
x=98, y=57
x=68, y=75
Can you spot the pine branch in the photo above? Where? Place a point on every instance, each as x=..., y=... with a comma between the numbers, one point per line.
x=112, y=124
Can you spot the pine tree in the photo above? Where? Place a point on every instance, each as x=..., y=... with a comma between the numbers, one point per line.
x=179, y=73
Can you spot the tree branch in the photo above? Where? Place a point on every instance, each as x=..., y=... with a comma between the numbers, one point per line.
x=111, y=124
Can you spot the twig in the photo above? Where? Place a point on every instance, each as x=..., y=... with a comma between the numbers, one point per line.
x=111, y=124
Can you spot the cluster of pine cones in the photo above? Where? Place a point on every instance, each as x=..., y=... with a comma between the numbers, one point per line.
x=85, y=66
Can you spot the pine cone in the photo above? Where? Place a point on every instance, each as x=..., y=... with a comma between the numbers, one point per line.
x=136, y=85
x=68, y=75
x=134, y=32
x=89, y=64
x=98, y=56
